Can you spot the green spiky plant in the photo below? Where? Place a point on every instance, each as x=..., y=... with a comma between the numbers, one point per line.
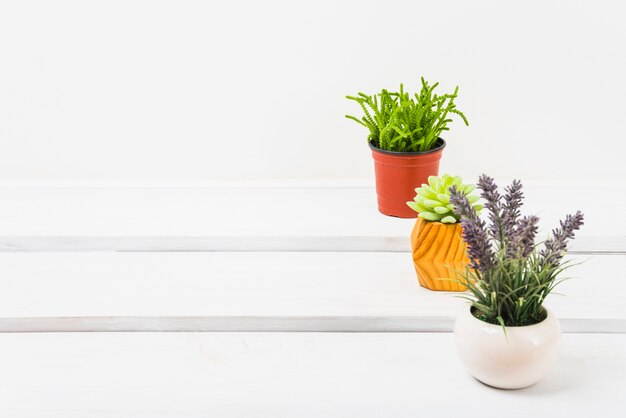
x=400, y=122
x=432, y=201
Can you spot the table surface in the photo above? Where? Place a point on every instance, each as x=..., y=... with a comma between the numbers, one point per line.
x=268, y=218
x=261, y=291
x=278, y=375
x=310, y=296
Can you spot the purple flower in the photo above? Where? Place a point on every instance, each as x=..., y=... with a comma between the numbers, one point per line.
x=474, y=232
x=509, y=235
x=511, y=210
x=493, y=204
x=522, y=241
x=556, y=245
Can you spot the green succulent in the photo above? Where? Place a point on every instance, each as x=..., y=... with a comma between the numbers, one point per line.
x=432, y=201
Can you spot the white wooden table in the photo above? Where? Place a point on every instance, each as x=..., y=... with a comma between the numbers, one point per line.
x=290, y=374
x=302, y=301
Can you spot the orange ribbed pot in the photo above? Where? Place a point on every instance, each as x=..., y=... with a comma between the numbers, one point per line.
x=439, y=255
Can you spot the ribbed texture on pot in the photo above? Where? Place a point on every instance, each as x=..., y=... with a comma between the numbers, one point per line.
x=439, y=255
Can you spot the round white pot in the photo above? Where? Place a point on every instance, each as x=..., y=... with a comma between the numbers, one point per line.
x=516, y=361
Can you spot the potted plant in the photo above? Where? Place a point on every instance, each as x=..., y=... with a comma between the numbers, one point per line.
x=439, y=252
x=404, y=136
x=507, y=338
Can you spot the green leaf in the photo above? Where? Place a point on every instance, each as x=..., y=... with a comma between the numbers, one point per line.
x=418, y=207
x=441, y=210
x=430, y=216
x=431, y=203
x=501, y=322
x=444, y=198
x=448, y=220
x=468, y=188
x=428, y=193
x=432, y=181
x=357, y=120
x=413, y=206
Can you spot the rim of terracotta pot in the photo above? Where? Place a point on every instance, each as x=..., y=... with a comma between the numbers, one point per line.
x=549, y=314
x=440, y=144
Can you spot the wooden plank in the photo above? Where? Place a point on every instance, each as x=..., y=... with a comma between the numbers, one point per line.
x=284, y=375
x=263, y=291
x=210, y=243
x=263, y=218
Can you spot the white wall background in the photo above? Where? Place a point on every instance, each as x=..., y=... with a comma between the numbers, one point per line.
x=150, y=91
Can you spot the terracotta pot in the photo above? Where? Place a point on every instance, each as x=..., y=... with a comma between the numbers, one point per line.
x=398, y=174
x=439, y=255
x=517, y=360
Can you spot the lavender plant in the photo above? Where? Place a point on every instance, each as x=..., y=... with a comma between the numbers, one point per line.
x=509, y=276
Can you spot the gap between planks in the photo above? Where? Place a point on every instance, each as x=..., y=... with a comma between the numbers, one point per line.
x=272, y=324
x=582, y=245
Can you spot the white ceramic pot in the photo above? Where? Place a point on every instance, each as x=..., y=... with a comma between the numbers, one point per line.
x=516, y=361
